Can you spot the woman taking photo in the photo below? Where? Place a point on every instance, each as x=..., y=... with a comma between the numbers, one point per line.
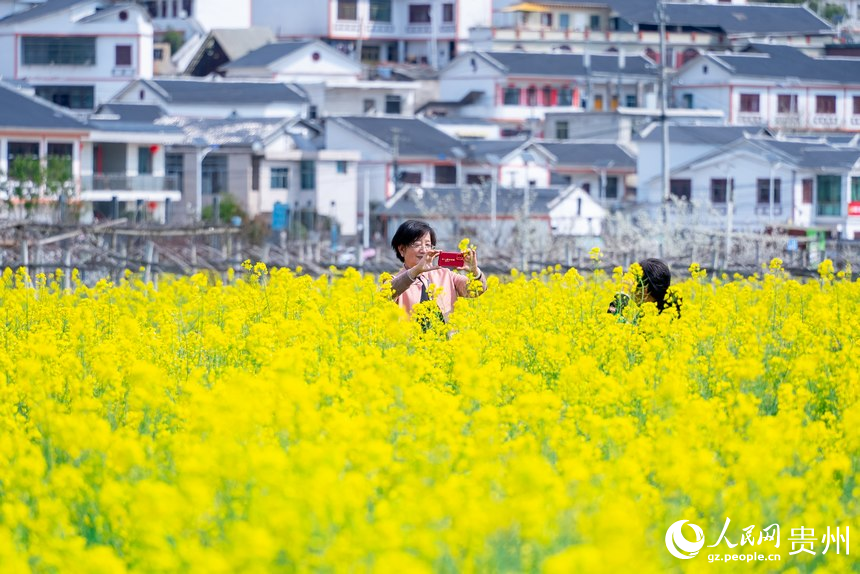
x=414, y=244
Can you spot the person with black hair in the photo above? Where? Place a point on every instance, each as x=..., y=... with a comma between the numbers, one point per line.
x=652, y=287
x=414, y=244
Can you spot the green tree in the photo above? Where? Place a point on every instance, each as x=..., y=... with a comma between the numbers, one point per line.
x=174, y=38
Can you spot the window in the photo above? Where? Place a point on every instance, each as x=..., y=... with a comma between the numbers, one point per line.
x=447, y=12
x=347, y=10
x=380, y=10
x=855, y=189
x=445, y=174
x=123, y=56
x=45, y=50
x=144, y=160
x=546, y=20
x=611, y=191
x=829, y=195
x=763, y=191
x=369, y=106
x=393, y=104
x=857, y=105
x=419, y=13
x=564, y=21
x=307, y=169
x=562, y=130
x=750, y=103
x=74, y=97
x=687, y=102
x=547, y=96
x=476, y=178
x=631, y=101
x=370, y=53
x=174, y=167
x=157, y=54
x=719, y=190
x=531, y=96
x=598, y=102
x=214, y=170
x=786, y=104
x=825, y=104
x=512, y=96
x=279, y=178
x=594, y=23
x=681, y=188
x=340, y=167
x=413, y=177
x=565, y=97
x=807, y=191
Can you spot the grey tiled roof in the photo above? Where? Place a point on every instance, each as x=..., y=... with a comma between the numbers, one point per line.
x=815, y=155
x=713, y=135
x=417, y=138
x=40, y=10
x=734, y=19
x=238, y=42
x=18, y=110
x=444, y=200
x=226, y=132
x=228, y=92
x=784, y=61
x=141, y=113
x=265, y=55
x=482, y=149
x=569, y=65
x=590, y=154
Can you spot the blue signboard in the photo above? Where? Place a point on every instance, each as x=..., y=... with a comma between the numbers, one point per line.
x=279, y=216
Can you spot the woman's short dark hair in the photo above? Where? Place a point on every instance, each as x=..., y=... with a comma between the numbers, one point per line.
x=656, y=277
x=408, y=232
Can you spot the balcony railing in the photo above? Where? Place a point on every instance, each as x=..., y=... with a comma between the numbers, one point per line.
x=549, y=34
x=122, y=182
x=370, y=29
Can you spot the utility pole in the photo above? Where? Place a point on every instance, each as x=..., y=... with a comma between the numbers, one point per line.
x=526, y=215
x=730, y=209
x=664, y=124
x=395, y=153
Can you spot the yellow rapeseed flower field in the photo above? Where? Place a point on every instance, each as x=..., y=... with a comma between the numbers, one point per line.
x=281, y=423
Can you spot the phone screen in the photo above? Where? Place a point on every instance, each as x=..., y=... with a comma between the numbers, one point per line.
x=451, y=259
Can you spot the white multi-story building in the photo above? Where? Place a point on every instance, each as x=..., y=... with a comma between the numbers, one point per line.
x=77, y=53
x=521, y=87
x=422, y=31
x=775, y=86
x=199, y=15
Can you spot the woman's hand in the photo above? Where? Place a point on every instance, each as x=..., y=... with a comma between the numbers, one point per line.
x=425, y=263
x=471, y=261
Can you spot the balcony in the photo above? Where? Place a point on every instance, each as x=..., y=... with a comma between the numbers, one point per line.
x=369, y=30
x=106, y=186
x=544, y=34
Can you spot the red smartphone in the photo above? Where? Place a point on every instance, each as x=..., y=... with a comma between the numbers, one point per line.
x=451, y=259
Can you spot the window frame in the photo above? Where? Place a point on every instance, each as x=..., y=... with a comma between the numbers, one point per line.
x=420, y=13
x=307, y=174
x=58, y=51
x=821, y=108
x=749, y=103
x=278, y=175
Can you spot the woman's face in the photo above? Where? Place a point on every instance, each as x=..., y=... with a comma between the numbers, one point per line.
x=415, y=251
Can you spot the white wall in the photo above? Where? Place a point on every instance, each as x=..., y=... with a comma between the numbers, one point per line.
x=302, y=19
x=472, y=13
x=461, y=77
x=110, y=31
x=223, y=13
